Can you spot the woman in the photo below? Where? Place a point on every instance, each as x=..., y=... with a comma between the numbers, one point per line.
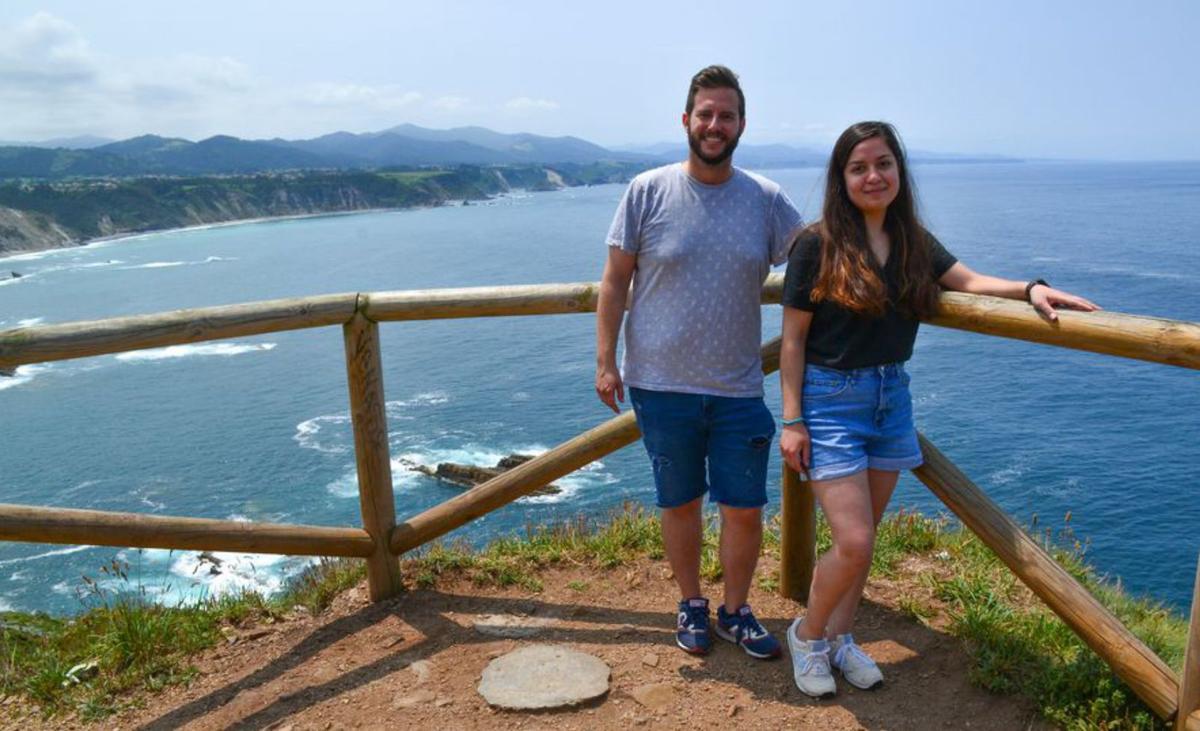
x=857, y=283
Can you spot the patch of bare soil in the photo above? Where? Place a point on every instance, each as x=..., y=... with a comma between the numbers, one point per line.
x=415, y=662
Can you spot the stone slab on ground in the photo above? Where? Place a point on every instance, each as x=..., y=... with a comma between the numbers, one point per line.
x=543, y=676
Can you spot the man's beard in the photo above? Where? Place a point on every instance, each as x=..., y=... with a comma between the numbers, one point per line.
x=695, y=143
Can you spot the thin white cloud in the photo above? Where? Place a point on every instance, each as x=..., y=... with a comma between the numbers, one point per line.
x=524, y=103
x=450, y=103
x=356, y=95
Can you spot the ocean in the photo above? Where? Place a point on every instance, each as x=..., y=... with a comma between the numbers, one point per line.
x=258, y=428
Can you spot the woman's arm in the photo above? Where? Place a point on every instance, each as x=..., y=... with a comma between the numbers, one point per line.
x=793, y=440
x=961, y=278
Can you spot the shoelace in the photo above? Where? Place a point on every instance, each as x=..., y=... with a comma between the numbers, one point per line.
x=694, y=619
x=812, y=659
x=748, y=627
x=852, y=649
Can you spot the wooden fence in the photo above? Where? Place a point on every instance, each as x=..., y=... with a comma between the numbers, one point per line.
x=381, y=539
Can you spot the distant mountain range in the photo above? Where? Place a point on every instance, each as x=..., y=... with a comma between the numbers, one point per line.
x=405, y=146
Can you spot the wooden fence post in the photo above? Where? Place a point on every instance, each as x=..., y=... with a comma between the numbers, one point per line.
x=364, y=373
x=797, y=537
x=1189, y=681
x=1129, y=657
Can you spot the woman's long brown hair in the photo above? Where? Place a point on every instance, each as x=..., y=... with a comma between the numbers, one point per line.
x=848, y=275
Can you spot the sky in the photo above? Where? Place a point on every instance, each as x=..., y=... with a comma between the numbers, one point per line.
x=1064, y=79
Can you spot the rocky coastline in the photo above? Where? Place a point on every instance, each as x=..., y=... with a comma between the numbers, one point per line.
x=51, y=215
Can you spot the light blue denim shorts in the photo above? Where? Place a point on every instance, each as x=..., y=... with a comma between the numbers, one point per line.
x=859, y=419
x=697, y=444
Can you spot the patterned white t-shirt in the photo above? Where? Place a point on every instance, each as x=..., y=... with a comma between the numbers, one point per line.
x=695, y=315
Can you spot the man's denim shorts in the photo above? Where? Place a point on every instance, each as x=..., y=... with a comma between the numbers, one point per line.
x=859, y=419
x=703, y=443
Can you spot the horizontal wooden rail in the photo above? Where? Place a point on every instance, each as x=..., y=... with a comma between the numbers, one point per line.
x=119, y=334
x=1129, y=657
x=1172, y=342
x=617, y=432
x=439, y=304
x=101, y=528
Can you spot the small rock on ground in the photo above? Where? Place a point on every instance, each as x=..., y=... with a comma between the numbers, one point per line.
x=654, y=695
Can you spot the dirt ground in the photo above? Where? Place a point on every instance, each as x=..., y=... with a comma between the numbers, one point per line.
x=415, y=662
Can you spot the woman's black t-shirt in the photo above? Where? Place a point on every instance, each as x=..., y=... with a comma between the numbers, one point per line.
x=840, y=338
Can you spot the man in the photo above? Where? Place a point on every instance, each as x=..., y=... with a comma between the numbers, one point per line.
x=697, y=240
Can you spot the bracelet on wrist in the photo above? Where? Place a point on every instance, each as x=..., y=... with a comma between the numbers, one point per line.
x=799, y=420
x=1029, y=288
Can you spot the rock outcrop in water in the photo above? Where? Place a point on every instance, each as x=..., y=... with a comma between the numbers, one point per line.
x=468, y=475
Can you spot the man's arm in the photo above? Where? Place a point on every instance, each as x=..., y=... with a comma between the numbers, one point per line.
x=610, y=310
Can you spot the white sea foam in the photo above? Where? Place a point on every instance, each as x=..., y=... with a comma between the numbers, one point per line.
x=172, y=264
x=33, y=255
x=19, y=575
x=158, y=265
x=174, y=577
x=309, y=433
x=399, y=408
x=189, y=351
x=237, y=572
x=332, y=433
x=347, y=484
x=78, y=487
x=1067, y=489
x=5, y=606
x=24, y=374
x=404, y=477
x=1009, y=473
x=30, y=321
x=47, y=554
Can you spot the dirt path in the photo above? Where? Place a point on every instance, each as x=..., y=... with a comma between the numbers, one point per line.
x=414, y=662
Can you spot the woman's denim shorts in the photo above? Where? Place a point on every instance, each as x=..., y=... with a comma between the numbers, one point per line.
x=859, y=419
x=699, y=443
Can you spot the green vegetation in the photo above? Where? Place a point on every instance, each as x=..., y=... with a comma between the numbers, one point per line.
x=88, y=664
x=90, y=208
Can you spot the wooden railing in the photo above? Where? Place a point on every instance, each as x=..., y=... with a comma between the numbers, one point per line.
x=380, y=540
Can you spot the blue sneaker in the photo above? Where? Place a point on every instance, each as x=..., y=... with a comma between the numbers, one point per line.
x=744, y=630
x=691, y=634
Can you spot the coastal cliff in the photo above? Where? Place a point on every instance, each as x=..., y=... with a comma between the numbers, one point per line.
x=46, y=215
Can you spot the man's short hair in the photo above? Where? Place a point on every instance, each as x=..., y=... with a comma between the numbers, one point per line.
x=715, y=77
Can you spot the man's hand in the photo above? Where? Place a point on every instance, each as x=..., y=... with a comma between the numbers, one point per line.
x=609, y=387
x=1044, y=299
x=796, y=447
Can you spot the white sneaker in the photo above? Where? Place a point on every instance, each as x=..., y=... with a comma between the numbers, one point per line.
x=857, y=666
x=810, y=664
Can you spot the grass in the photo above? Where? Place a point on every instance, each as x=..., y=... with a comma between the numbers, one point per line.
x=90, y=665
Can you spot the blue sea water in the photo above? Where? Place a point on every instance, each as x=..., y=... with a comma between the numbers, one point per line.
x=258, y=428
